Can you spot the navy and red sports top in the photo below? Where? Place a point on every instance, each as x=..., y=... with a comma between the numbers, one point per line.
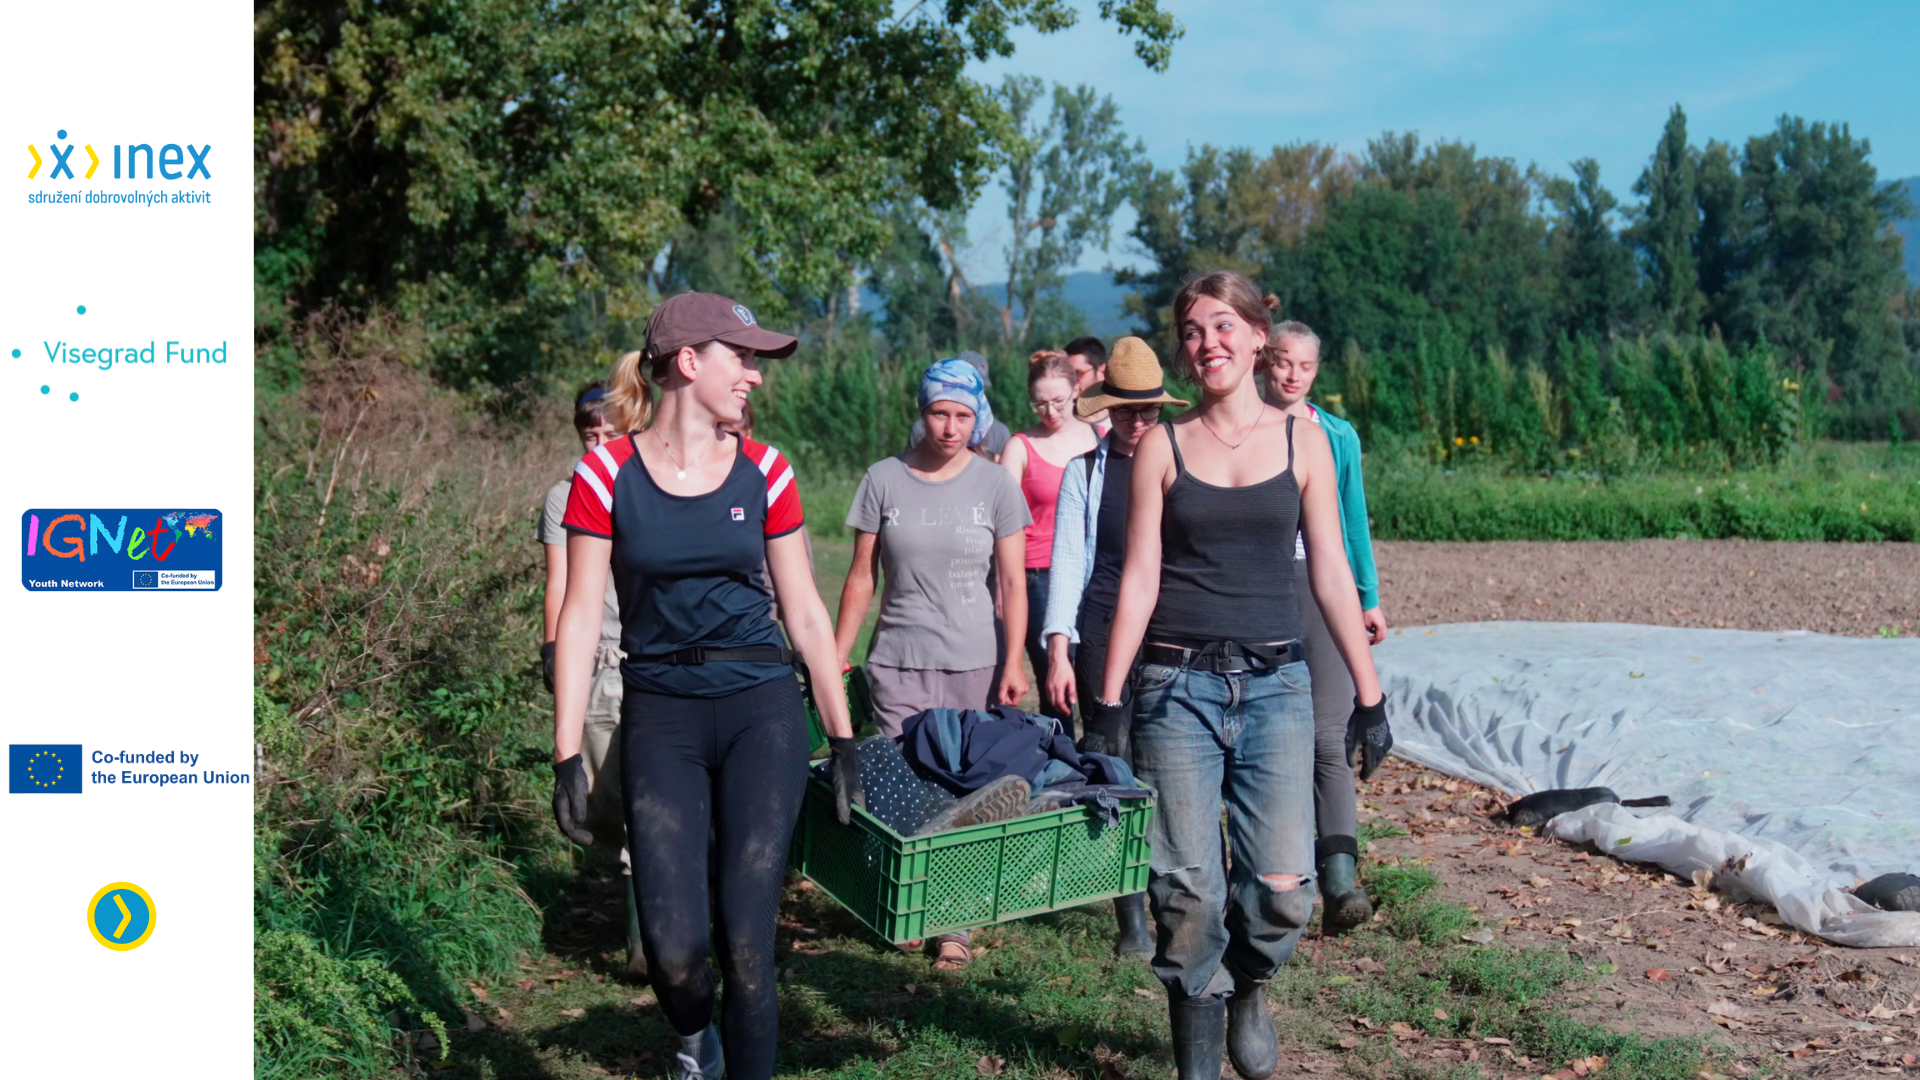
x=687, y=567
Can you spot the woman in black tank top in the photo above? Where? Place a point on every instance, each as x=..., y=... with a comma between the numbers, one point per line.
x=1220, y=711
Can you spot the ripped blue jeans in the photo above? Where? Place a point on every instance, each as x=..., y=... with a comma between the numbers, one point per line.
x=1246, y=741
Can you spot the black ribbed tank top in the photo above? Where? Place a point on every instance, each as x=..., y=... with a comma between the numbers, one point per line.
x=1226, y=559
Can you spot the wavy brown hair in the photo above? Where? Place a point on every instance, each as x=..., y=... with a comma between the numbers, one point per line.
x=1243, y=296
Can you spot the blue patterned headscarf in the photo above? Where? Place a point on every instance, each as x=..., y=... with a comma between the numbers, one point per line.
x=958, y=380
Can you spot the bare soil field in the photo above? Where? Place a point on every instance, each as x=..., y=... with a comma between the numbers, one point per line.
x=1685, y=960
x=1854, y=589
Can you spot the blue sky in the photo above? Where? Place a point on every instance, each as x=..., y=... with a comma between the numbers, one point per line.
x=1535, y=81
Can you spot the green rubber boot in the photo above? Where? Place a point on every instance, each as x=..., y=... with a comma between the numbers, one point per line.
x=1347, y=905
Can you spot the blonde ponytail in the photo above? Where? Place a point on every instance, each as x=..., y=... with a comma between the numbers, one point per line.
x=629, y=397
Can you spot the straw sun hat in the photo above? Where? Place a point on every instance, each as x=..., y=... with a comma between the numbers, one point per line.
x=1133, y=378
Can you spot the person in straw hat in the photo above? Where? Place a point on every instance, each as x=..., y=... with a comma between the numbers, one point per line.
x=1089, y=548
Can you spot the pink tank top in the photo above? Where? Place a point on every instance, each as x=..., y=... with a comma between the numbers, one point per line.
x=1041, y=486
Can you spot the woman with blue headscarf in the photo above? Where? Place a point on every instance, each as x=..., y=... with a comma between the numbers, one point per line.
x=934, y=519
x=947, y=527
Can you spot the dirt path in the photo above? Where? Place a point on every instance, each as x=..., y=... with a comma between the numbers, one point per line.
x=1687, y=960
x=1853, y=589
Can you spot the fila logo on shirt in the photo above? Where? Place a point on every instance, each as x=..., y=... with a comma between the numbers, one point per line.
x=739, y=514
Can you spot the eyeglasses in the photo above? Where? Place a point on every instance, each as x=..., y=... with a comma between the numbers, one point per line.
x=1139, y=414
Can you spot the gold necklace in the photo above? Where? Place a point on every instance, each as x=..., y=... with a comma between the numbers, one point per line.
x=1262, y=415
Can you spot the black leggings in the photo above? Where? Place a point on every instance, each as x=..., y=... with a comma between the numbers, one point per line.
x=738, y=764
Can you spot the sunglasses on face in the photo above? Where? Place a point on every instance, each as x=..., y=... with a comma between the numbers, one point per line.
x=1138, y=414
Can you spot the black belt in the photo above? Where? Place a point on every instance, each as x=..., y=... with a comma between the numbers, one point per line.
x=702, y=654
x=1224, y=657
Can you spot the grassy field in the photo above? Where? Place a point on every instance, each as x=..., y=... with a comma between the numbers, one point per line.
x=1044, y=1000
x=1858, y=492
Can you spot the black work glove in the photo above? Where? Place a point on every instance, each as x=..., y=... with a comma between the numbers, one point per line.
x=570, y=799
x=546, y=663
x=847, y=792
x=1110, y=728
x=1368, y=737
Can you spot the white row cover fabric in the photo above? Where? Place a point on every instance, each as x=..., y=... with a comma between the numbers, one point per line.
x=1799, y=752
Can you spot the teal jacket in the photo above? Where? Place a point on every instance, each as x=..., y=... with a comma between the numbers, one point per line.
x=1351, y=486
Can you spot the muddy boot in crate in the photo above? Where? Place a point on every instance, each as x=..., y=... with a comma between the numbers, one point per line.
x=1130, y=912
x=636, y=956
x=1347, y=905
x=1199, y=1036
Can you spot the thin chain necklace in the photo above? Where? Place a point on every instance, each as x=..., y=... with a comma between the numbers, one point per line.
x=681, y=474
x=1261, y=415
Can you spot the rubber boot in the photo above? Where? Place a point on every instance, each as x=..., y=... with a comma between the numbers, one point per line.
x=1199, y=1036
x=1251, y=1041
x=700, y=1057
x=1130, y=912
x=636, y=955
x=1347, y=905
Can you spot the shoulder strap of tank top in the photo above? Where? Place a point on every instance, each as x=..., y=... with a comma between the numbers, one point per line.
x=1179, y=466
x=1289, y=442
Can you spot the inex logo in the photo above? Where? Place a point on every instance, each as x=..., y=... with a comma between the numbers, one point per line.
x=173, y=161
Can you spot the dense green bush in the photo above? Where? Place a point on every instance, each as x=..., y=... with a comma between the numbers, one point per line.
x=1635, y=406
x=401, y=840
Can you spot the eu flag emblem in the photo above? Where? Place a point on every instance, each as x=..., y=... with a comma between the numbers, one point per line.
x=146, y=579
x=46, y=769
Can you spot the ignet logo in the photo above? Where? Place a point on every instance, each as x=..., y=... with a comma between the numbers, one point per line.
x=172, y=161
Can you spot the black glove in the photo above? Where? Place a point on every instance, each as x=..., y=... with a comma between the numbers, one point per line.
x=847, y=792
x=1368, y=737
x=546, y=663
x=1110, y=728
x=570, y=798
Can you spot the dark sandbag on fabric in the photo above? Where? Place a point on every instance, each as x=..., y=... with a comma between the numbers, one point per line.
x=1892, y=892
x=1540, y=807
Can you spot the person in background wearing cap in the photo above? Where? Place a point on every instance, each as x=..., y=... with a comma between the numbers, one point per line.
x=994, y=440
x=1296, y=363
x=712, y=732
x=947, y=527
x=1089, y=548
x=1037, y=458
x=1089, y=360
x=600, y=740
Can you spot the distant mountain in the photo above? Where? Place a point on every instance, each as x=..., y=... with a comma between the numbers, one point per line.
x=1092, y=291
x=1910, y=229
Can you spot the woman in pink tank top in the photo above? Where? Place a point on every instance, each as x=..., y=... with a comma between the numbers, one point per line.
x=1039, y=458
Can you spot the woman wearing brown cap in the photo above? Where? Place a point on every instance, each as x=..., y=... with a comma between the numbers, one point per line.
x=1089, y=548
x=712, y=730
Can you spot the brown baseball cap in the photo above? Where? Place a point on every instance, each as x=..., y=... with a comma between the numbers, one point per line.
x=695, y=318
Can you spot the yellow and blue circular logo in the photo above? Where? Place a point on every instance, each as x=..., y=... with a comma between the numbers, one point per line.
x=121, y=916
x=45, y=770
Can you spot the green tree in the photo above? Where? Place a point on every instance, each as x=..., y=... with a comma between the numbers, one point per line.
x=1600, y=282
x=1065, y=178
x=484, y=165
x=1829, y=261
x=1668, y=225
x=1235, y=210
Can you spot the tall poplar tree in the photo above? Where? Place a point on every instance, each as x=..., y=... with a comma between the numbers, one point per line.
x=1667, y=226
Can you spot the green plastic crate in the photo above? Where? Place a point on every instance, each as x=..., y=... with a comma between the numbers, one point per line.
x=859, y=705
x=908, y=888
